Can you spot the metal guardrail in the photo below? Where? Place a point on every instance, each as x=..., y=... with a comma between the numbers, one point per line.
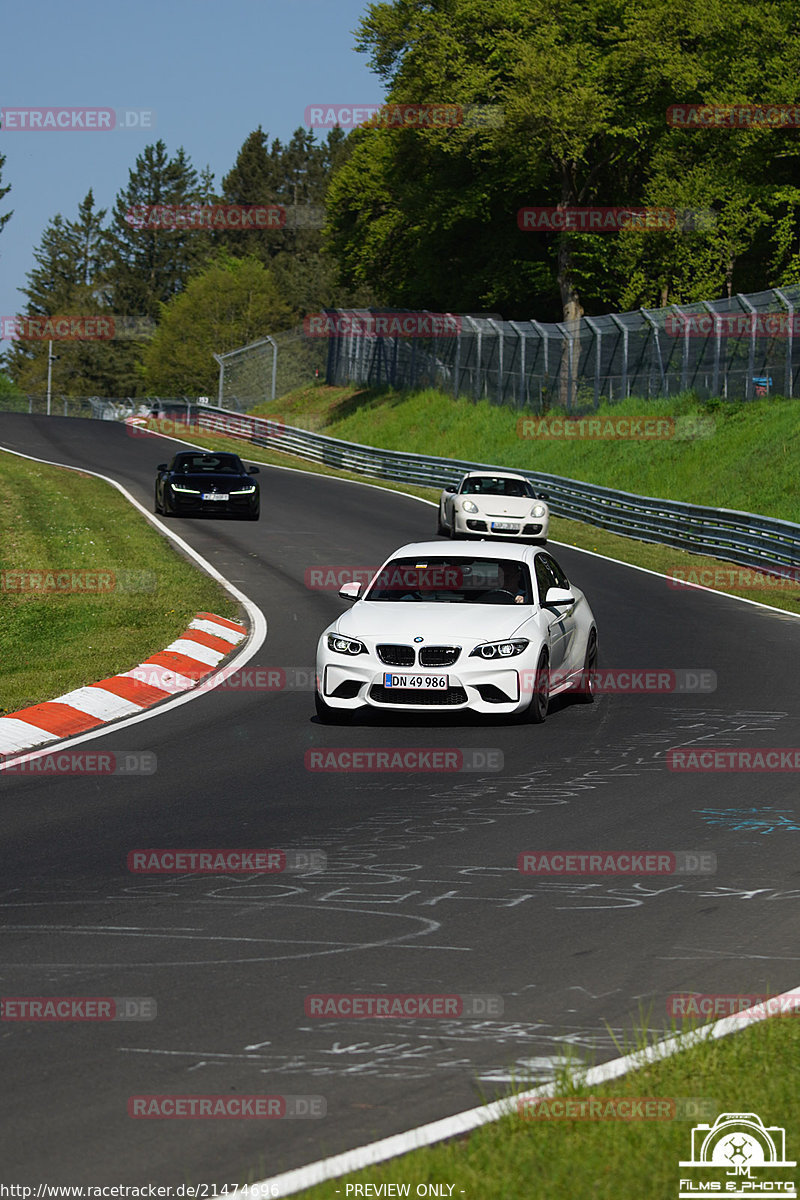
x=740, y=537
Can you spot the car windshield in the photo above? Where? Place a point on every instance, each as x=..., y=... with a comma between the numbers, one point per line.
x=453, y=581
x=212, y=464
x=494, y=485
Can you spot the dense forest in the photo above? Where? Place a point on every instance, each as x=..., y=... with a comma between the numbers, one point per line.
x=425, y=213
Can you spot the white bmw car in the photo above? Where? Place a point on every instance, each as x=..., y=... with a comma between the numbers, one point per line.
x=493, y=505
x=493, y=630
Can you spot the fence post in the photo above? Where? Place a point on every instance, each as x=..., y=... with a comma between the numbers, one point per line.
x=521, y=336
x=651, y=322
x=751, y=357
x=624, y=329
x=598, y=349
x=709, y=307
x=789, y=339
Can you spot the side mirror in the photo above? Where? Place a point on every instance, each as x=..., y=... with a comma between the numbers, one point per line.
x=451, y=487
x=162, y=467
x=542, y=495
x=350, y=591
x=253, y=471
x=558, y=596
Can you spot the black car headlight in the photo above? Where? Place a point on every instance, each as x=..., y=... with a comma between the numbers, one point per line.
x=500, y=649
x=243, y=491
x=345, y=645
x=180, y=487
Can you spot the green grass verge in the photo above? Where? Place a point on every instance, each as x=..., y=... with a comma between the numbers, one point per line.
x=52, y=519
x=663, y=559
x=747, y=456
x=611, y=1159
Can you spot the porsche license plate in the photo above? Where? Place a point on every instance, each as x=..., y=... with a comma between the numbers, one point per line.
x=215, y=496
x=422, y=682
x=505, y=526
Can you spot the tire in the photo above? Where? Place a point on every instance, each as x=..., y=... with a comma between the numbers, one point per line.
x=253, y=516
x=586, y=694
x=441, y=530
x=536, y=712
x=158, y=508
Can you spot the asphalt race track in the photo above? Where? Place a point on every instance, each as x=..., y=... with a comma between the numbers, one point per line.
x=422, y=892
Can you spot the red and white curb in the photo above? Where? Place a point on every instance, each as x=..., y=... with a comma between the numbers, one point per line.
x=197, y=653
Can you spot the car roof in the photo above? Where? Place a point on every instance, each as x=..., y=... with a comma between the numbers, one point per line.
x=494, y=475
x=466, y=548
x=205, y=454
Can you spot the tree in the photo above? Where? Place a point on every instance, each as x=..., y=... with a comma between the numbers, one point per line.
x=229, y=304
x=71, y=262
x=151, y=265
x=4, y=217
x=428, y=216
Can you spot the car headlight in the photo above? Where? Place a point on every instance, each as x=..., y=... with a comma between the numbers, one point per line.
x=469, y=506
x=180, y=487
x=539, y=510
x=500, y=649
x=245, y=491
x=345, y=645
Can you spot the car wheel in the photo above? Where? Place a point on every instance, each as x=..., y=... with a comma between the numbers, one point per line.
x=586, y=694
x=159, y=508
x=328, y=715
x=536, y=712
x=442, y=530
x=255, y=514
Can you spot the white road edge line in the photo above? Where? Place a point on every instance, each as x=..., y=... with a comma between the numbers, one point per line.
x=290, y=1182
x=250, y=646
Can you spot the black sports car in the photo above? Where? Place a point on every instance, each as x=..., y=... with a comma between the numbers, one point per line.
x=195, y=482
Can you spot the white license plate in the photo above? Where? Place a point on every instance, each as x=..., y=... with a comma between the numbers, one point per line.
x=422, y=682
x=505, y=526
x=215, y=496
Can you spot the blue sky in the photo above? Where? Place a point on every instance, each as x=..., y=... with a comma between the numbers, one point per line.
x=211, y=70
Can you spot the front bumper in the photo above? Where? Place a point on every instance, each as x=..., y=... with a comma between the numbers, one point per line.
x=475, y=685
x=181, y=502
x=465, y=525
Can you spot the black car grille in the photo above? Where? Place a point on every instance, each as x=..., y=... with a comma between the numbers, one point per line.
x=531, y=529
x=441, y=697
x=493, y=695
x=396, y=656
x=477, y=526
x=438, y=656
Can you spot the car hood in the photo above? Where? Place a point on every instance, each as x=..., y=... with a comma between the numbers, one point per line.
x=207, y=481
x=438, y=623
x=503, y=506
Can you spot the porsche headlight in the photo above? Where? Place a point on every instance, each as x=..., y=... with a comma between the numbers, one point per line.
x=469, y=506
x=500, y=649
x=539, y=510
x=345, y=645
